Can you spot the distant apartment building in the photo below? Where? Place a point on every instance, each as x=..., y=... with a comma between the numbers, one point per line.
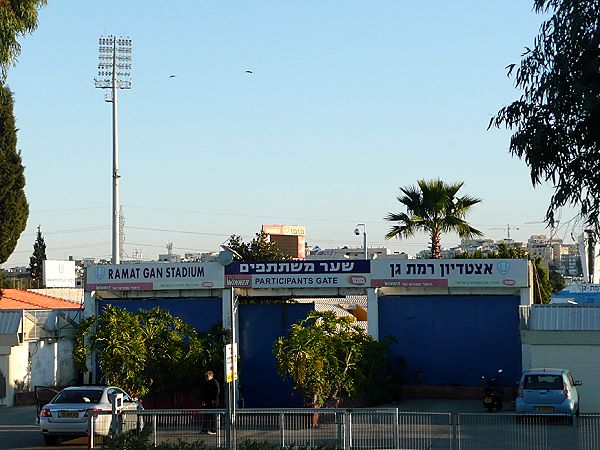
x=354, y=253
x=539, y=246
x=555, y=254
x=471, y=246
x=169, y=257
x=15, y=272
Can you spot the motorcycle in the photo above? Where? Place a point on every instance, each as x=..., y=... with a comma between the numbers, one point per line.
x=493, y=392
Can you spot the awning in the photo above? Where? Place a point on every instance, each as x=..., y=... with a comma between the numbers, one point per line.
x=10, y=328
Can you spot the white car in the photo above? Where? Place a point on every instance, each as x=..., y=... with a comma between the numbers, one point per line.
x=68, y=413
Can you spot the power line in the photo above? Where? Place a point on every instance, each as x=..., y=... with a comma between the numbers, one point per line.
x=73, y=230
x=178, y=231
x=256, y=216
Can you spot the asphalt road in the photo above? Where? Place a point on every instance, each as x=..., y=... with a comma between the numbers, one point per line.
x=18, y=431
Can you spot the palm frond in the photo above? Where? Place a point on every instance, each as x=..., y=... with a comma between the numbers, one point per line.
x=433, y=207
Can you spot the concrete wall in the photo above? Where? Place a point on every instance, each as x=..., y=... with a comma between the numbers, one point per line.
x=578, y=351
x=13, y=364
x=52, y=363
x=4, y=353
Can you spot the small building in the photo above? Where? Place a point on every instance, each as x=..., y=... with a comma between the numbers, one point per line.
x=565, y=336
x=36, y=342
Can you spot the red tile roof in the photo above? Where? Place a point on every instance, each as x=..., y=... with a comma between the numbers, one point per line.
x=20, y=299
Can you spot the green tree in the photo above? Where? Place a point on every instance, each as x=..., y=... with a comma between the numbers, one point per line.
x=177, y=353
x=14, y=209
x=17, y=18
x=36, y=261
x=258, y=249
x=324, y=356
x=149, y=350
x=556, y=120
x=117, y=338
x=433, y=207
x=556, y=280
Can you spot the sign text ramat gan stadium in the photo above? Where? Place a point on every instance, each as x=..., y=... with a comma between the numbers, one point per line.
x=155, y=272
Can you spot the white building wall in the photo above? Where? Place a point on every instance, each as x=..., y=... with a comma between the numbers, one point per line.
x=574, y=350
x=16, y=369
x=66, y=373
x=42, y=364
x=52, y=363
x=4, y=353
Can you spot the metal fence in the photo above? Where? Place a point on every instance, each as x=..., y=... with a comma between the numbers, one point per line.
x=357, y=429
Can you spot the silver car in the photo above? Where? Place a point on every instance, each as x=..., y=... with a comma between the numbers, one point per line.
x=547, y=391
x=68, y=413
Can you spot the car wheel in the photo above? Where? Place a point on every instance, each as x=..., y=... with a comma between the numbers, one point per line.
x=50, y=440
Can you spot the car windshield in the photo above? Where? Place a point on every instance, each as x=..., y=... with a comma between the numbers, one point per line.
x=543, y=382
x=79, y=396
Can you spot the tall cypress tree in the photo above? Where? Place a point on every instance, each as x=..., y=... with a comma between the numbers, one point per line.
x=14, y=208
x=36, y=261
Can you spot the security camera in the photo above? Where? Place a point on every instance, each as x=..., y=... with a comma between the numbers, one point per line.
x=356, y=231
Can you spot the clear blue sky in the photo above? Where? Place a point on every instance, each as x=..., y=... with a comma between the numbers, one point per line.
x=349, y=100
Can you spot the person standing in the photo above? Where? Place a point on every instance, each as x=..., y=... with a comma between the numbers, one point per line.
x=212, y=392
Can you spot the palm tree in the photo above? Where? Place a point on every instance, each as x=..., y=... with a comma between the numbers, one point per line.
x=434, y=208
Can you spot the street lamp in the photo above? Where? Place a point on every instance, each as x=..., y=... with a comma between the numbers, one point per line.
x=114, y=70
x=225, y=258
x=357, y=232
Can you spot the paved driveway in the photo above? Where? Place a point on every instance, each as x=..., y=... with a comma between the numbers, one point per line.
x=448, y=405
x=19, y=431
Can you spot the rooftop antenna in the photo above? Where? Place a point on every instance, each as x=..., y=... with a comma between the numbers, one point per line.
x=114, y=66
x=169, y=247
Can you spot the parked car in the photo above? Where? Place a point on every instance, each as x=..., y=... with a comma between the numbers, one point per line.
x=547, y=391
x=68, y=413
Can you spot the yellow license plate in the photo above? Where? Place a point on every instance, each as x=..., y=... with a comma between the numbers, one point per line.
x=544, y=408
x=70, y=414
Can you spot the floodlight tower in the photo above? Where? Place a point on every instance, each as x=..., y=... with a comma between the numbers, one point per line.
x=114, y=70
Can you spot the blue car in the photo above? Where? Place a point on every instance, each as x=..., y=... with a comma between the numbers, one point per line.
x=547, y=391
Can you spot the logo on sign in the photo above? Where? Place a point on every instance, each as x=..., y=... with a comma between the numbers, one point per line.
x=100, y=272
x=358, y=280
x=503, y=267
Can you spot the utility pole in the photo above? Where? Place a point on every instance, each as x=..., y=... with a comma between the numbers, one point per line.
x=114, y=66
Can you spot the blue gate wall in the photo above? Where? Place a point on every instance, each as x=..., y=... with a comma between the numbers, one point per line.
x=259, y=327
x=200, y=312
x=453, y=340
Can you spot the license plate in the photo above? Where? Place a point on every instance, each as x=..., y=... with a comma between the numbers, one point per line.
x=70, y=414
x=544, y=408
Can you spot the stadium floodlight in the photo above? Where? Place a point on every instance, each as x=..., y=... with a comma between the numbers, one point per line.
x=114, y=72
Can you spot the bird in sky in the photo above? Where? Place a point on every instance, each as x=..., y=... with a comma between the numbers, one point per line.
x=172, y=76
x=249, y=71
